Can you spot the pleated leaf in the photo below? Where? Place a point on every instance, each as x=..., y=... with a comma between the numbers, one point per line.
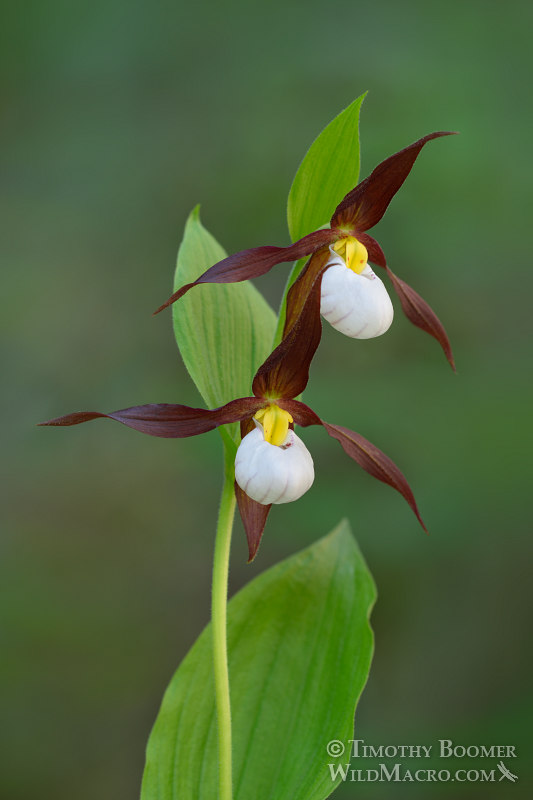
x=329, y=170
x=224, y=332
x=300, y=647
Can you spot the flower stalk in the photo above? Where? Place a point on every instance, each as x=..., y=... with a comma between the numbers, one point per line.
x=219, y=609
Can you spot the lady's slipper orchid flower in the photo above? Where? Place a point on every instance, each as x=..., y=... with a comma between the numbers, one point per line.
x=361, y=301
x=272, y=464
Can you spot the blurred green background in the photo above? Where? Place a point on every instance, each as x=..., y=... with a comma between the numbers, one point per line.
x=116, y=119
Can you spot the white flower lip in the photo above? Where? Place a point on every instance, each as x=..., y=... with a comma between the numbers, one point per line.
x=271, y=474
x=357, y=305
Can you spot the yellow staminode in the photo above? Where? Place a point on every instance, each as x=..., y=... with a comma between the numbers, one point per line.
x=353, y=252
x=275, y=423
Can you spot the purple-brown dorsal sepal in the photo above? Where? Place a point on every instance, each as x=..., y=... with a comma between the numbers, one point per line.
x=254, y=516
x=256, y=262
x=299, y=291
x=286, y=371
x=170, y=421
x=421, y=314
x=374, y=461
x=364, y=206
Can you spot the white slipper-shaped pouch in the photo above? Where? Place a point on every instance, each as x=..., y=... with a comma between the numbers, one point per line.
x=356, y=304
x=270, y=473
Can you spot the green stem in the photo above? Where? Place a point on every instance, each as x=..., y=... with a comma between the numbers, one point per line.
x=219, y=625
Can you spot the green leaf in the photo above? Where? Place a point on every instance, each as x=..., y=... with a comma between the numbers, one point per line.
x=300, y=647
x=223, y=331
x=330, y=169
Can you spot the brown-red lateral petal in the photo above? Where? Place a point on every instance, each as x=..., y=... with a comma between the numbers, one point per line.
x=421, y=314
x=373, y=461
x=255, y=262
x=168, y=420
x=364, y=206
x=301, y=414
x=375, y=253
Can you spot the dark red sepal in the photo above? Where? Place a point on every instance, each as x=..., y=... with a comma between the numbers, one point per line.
x=299, y=291
x=168, y=420
x=373, y=461
x=254, y=516
x=364, y=206
x=301, y=414
x=421, y=314
x=255, y=262
x=286, y=371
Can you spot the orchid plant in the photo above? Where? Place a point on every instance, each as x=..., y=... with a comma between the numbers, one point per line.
x=286, y=689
